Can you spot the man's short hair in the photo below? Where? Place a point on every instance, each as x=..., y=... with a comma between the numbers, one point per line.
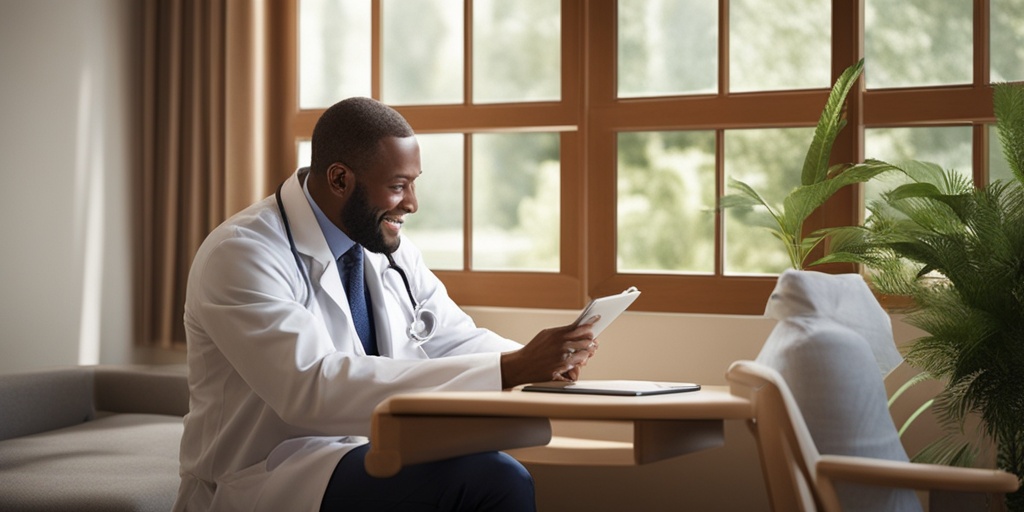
x=350, y=130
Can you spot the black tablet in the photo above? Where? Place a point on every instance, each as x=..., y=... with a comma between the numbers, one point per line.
x=614, y=387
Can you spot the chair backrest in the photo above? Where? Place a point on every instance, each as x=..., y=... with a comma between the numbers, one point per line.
x=788, y=453
x=829, y=352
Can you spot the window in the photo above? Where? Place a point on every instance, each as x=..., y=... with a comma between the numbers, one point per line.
x=573, y=148
x=916, y=43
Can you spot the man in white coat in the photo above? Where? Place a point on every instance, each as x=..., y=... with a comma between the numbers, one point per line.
x=290, y=348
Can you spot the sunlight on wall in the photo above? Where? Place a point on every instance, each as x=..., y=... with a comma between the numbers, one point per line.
x=88, y=211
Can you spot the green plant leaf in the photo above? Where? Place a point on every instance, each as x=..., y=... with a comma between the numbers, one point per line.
x=911, y=382
x=829, y=124
x=747, y=196
x=738, y=201
x=913, y=190
x=919, y=411
x=803, y=200
x=947, y=450
x=1008, y=105
x=922, y=172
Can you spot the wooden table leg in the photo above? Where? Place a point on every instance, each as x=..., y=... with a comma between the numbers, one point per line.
x=403, y=440
x=655, y=440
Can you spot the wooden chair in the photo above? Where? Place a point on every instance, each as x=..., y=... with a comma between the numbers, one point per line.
x=799, y=478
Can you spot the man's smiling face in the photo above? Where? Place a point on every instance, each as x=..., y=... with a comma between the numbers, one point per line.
x=384, y=194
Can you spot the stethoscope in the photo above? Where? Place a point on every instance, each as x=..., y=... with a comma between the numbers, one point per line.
x=424, y=321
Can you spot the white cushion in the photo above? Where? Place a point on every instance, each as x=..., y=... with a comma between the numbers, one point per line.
x=833, y=344
x=839, y=300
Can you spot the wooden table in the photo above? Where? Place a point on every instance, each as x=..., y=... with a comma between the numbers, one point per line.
x=414, y=428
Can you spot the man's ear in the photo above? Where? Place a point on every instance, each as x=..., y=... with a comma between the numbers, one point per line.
x=339, y=178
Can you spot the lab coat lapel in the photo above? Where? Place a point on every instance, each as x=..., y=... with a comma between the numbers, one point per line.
x=310, y=242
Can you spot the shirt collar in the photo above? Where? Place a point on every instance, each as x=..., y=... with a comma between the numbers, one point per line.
x=337, y=240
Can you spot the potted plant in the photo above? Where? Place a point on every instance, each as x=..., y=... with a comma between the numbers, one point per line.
x=958, y=252
x=818, y=180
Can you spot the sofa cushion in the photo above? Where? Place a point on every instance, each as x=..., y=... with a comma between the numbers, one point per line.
x=117, y=462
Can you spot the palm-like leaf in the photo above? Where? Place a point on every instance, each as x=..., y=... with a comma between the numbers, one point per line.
x=803, y=200
x=747, y=196
x=829, y=125
x=818, y=181
x=948, y=450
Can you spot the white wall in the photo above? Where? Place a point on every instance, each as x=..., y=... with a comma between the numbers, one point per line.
x=68, y=103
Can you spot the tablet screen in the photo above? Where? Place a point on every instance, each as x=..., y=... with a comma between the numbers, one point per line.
x=609, y=308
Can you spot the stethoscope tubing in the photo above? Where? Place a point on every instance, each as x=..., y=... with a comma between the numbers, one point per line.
x=405, y=281
x=291, y=245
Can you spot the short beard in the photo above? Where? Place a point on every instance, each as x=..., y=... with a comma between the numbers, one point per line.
x=364, y=228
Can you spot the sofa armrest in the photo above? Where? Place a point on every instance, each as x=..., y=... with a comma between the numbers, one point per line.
x=39, y=401
x=142, y=389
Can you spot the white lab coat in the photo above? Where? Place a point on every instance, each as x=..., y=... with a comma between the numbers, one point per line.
x=280, y=385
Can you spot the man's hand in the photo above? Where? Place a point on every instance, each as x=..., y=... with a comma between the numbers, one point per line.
x=553, y=354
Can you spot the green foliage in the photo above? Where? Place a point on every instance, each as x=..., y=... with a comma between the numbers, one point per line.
x=948, y=450
x=818, y=181
x=1008, y=102
x=959, y=253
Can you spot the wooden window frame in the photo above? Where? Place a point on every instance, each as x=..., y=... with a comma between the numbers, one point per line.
x=589, y=116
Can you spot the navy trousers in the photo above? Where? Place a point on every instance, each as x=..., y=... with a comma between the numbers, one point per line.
x=491, y=481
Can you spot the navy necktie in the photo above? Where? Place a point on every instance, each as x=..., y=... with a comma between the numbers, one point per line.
x=358, y=297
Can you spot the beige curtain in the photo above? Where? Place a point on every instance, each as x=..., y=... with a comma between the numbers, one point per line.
x=202, y=139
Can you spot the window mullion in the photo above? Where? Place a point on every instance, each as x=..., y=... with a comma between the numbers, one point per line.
x=467, y=202
x=982, y=77
x=719, y=192
x=723, y=92
x=467, y=141
x=723, y=48
x=376, y=36
x=467, y=52
x=979, y=154
x=982, y=39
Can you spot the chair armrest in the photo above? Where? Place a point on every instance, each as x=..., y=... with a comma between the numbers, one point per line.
x=142, y=389
x=911, y=475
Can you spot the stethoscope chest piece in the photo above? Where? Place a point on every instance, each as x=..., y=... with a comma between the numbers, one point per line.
x=423, y=325
x=424, y=321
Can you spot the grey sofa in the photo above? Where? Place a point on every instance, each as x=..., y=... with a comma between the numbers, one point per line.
x=91, y=438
